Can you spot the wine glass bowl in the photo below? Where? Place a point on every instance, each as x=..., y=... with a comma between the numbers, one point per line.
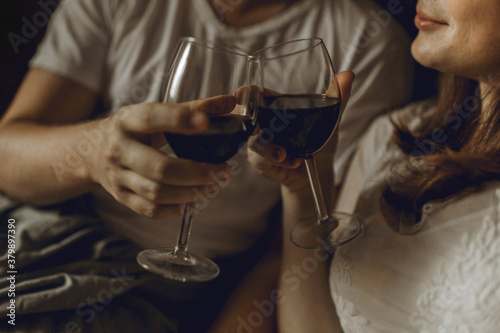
x=204, y=69
x=300, y=110
x=310, y=121
x=218, y=143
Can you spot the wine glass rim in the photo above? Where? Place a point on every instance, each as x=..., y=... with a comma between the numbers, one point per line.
x=316, y=41
x=215, y=45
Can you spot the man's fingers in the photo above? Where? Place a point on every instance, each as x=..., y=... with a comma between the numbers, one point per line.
x=145, y=207
x=160, y=193
x=213, y=105
x=245, y=94
x=151, y=118
x=183, y=118
x=156, y=166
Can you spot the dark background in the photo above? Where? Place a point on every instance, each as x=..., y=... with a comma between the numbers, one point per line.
x=13, y=66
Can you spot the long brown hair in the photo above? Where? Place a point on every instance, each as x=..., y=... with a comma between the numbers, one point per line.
x=456, y=147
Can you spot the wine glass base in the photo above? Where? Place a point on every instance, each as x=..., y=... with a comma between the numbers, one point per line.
x=338, y=230
x=189, y=267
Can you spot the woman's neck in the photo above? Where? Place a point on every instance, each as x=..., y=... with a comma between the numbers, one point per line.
x=487, y=102
x=242, y=13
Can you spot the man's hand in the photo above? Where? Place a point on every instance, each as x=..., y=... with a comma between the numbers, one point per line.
x=132, y=169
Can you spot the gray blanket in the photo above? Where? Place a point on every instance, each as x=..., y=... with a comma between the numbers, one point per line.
x=74, y=274
x=69, y=273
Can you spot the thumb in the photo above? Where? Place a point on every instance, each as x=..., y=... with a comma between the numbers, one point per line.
x=345, y=80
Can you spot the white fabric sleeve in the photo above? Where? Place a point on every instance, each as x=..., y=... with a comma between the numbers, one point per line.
x=464, y=294
x=382, y=63
x=372, y=148
x=75, y=44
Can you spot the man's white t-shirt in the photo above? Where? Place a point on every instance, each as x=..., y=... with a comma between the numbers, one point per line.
x=122, y=50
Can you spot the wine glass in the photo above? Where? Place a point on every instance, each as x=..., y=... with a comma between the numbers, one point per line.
x=300, y=110
x=203, y=69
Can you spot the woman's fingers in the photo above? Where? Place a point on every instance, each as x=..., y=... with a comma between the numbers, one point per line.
x=293, y=177
x=271, y=153
x=345, y=80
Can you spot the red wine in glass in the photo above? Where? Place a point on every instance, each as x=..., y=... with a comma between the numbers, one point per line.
x=302, y=124
x=221, y=141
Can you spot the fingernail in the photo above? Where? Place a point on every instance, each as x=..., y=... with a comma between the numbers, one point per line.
x=229, y=168
x=293, y=160
x=211, y=188
x=224, y=176
x=276, y=153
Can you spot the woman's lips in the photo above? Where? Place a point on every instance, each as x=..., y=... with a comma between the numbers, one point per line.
x=424, y=22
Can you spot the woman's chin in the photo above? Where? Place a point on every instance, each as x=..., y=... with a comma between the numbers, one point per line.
x=426, y=56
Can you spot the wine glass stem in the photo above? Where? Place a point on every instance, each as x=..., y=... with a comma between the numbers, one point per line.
x=182, y=240
x=319, y=201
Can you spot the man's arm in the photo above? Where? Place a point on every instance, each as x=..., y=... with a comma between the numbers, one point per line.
x=51, y=153
x=39, y=136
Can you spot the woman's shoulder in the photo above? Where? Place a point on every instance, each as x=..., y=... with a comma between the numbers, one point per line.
x=380, y=132
x=462, y=238
x=469, y=220
x=470, y=207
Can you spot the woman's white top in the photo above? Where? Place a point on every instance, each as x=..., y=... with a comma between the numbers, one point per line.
x=444, y=277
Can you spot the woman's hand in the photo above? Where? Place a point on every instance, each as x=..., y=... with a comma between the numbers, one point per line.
x=273, y=162
x=130, y=167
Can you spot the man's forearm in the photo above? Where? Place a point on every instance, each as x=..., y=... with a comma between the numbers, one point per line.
x=46, y=164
